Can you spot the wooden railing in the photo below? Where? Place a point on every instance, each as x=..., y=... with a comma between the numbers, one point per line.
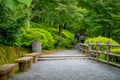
x=95, y=54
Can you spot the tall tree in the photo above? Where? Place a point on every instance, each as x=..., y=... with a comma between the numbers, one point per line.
x=59, y=12
x=103, y=16
x=14, y=15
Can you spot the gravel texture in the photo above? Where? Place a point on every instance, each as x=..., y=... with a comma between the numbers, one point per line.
x=79, y=69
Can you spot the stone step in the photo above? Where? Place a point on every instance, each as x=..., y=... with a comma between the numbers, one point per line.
x=60, y=58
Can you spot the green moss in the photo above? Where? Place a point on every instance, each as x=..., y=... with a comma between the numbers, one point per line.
x=9, y=54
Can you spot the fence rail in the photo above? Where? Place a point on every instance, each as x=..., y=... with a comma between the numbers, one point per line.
x=95, y=54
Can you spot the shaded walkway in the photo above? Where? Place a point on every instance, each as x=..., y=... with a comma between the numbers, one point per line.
x=75, y=69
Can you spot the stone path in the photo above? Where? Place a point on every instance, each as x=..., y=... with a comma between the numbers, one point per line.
x=74, y=69
x=64, y=55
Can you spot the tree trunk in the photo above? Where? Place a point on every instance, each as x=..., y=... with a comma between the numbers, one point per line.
x=60, y=30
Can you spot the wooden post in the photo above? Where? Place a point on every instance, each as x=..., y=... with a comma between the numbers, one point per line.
x=107, y=50
x=81, y=48
x=97, y=50
x=89, y=48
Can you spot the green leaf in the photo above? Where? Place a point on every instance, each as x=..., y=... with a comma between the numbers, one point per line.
x=115, y=17
x=11, y=4
x=0, y=1
x=26, y=2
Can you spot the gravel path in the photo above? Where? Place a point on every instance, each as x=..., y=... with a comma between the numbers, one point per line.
x=79, y=69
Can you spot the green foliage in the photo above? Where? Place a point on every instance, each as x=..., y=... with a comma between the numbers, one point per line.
x=10, y=24
x=25, y=2
x=11, y=4
x=68, y=35
x=65, y=40
x=103, y=17
x=94, y=18
x=101, y=40
x=116, y=36
x=115, y=50
x=114, y=58
x=62, y=42
x=36, y=34
x=15, y=4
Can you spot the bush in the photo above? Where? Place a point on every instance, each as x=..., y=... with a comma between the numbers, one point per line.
x=114, y=58
x=102, y=40
x=68, y=35
x=65, y=40
x=62, y=42
x=38, y=34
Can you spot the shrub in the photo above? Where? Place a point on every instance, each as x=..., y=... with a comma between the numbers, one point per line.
x=68, y=35
x=102, y=40
x=62, y=42
x=38, y=34
x=65, y=40
x=36, y=25
x=114, y=58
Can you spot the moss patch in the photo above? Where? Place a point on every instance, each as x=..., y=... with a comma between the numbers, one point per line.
x=9, y=54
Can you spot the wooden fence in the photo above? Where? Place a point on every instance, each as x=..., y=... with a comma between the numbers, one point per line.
x=97, y=52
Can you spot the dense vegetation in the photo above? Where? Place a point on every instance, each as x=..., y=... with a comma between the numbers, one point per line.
x=53, y=22
x=103, y=40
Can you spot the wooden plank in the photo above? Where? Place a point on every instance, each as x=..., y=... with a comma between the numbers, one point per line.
x=102, y=60
x=114, y=45
x=92, y=44
x=102, y=44
x=93, y=51
x=92, y=58
x=118, y=65
x=102, y=52
x=84, y=44
x=112, y=54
